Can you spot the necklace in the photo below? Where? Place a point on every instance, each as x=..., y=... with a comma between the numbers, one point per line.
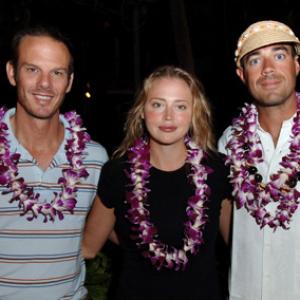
x=162, y=255
x=29, y=201
x=248, y=189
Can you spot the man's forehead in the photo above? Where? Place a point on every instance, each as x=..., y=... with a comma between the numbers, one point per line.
x=272, y=47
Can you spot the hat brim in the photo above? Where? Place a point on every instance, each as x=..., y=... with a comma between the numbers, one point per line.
x=265, y=38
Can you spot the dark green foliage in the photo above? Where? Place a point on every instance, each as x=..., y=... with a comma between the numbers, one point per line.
x=98, y=277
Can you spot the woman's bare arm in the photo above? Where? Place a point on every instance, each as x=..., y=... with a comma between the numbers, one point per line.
x=98, y=227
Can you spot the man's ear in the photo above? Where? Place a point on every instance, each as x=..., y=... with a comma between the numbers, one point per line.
x=70, y=83
x=297, y=64
x=240, y=73
x=10, y=72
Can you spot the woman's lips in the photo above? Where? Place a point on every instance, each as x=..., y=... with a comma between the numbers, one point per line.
x=167, y=128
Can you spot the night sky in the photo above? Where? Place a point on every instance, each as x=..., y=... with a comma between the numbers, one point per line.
x=117, y=43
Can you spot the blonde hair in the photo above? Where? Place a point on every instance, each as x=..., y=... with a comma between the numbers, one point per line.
x=201, y=126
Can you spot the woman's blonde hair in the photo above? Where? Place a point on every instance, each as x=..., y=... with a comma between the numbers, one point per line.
x=201, y=127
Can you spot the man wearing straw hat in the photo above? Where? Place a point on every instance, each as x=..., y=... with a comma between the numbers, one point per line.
x=263, y=148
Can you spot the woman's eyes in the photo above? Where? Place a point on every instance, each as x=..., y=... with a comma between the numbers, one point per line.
x=156, y=104
x=162, y=105
x=182, y=107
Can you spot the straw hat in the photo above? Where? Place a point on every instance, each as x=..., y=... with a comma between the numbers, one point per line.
x=262, y=34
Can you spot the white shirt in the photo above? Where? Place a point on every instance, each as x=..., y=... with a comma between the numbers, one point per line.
x=265, y=264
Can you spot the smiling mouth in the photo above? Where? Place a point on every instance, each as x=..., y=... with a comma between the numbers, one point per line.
x=43, y=97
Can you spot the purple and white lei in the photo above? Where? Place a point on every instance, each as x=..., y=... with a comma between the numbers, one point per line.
x=249, y=190
x=162, y=255
x=29, y=201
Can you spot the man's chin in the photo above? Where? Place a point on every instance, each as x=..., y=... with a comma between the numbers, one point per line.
x=42, y=115
x=270, y=100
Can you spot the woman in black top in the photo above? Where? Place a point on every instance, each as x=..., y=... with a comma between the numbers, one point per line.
x=162, y=193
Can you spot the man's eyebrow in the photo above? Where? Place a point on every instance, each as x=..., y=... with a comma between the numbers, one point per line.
x=280, y=47
x=249, y=55
x=274, y=48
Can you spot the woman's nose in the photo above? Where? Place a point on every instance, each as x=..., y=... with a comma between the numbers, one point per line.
x=168, y=113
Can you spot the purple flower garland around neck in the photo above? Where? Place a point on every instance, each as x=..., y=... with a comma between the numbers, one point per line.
x=29, y=201
x=249, y=190
x=162, y=255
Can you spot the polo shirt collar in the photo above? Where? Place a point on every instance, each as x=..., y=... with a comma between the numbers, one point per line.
x=60, y=156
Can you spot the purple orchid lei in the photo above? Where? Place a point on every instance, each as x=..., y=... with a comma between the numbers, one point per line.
x=29, y=201
x=162, y=255
x=248, y=189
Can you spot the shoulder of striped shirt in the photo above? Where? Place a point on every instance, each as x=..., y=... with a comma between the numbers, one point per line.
x=96, y=151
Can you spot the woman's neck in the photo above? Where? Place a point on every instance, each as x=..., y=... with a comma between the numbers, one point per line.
x=167, y=157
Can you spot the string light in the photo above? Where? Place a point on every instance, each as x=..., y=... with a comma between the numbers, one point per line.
x=88, y=94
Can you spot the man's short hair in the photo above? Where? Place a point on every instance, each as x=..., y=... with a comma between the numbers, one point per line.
x=37, y=31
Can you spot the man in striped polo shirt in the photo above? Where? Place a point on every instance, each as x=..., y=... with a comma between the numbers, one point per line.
x=49, y=170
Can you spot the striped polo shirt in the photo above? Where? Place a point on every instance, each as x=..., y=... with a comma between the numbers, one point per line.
x=42, y=260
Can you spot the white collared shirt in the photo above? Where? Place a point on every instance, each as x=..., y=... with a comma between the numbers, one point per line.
x=265, y=264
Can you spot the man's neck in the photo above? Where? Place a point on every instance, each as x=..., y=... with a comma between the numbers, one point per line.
x=41, y=138
x=271, y=118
